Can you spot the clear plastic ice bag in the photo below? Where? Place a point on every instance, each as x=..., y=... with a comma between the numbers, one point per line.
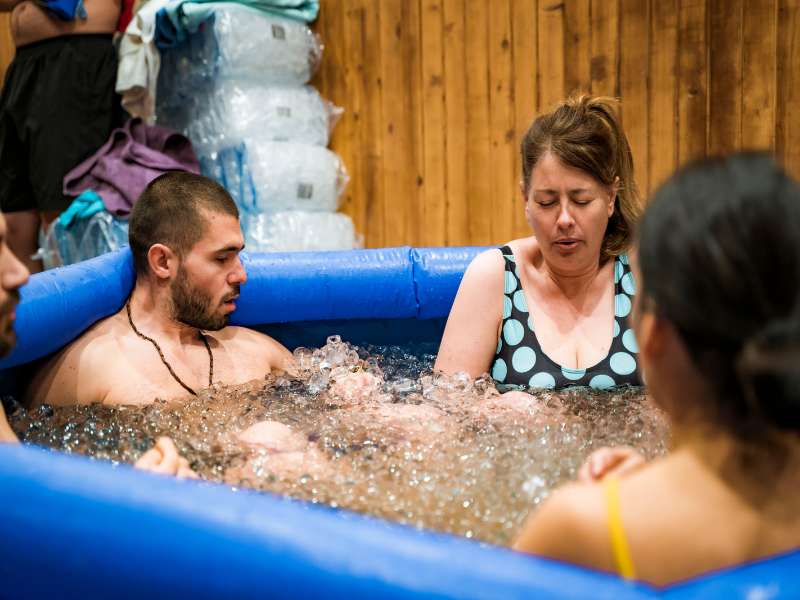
x=290, y=176
x=268, y=177
x=236, y=109
x=239, y=43
x=82, y=240
x=296, y=230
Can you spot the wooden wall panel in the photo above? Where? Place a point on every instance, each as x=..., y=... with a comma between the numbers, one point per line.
x=438, y=93
x=457, y=231
x=787, y=141
x=479, y=160
x=604, y=24
x=634, y=85
x=434, y=217
x=695, y=77
x=577, y=46
x=526, y=49
x=400, y=104
x=759, y=72
x=692, y=80
x=552, y=38
x=6, y=43
x=725, y=76
x=663, y=100
x=503, y=141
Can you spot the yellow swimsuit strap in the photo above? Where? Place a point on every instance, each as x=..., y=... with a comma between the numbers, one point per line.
x=616, y=532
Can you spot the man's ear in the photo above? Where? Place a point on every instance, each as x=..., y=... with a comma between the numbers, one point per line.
x=163, y=261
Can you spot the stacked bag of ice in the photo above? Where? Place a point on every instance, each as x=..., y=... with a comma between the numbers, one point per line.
x=233, y=110
x=238, y=89
x=241, y=43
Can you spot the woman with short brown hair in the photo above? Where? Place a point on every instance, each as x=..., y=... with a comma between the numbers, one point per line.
x=551, y=310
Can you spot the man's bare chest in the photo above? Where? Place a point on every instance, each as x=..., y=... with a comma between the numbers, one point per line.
x=145, y=377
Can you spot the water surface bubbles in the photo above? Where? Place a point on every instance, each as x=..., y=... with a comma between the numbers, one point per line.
x=375, y=430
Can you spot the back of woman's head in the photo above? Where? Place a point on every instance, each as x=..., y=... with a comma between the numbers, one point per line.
x=585, y=133
x=719, y=252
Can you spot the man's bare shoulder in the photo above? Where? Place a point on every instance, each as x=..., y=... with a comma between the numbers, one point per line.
x=99, y=339
x=254, y=344
x=57, y=382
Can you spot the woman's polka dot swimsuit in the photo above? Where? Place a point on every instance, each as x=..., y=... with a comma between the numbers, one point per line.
x=519, y=362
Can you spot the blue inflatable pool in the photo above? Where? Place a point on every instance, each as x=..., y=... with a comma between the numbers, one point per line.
x=74, y=528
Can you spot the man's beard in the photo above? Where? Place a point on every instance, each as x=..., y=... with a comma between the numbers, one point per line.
x=7, y=336
x=194, y=307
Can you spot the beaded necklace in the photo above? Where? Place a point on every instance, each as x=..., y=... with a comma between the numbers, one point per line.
x=164, y=360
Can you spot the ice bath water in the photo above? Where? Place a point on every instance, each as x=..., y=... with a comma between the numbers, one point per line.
x=373, y=430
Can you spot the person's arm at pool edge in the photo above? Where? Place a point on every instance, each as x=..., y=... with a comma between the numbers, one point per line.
x=470, y=336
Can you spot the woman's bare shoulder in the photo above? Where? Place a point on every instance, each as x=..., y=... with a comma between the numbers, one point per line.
x=486, y=262
x=570, y=525
x=490, y=262
x=526, y=249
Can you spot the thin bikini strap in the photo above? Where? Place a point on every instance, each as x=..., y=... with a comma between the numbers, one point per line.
x=616, y=532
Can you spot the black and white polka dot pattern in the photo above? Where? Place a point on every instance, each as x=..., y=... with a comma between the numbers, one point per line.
x=519, y=362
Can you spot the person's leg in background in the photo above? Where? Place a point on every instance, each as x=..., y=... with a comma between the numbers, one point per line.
x=81, y=71
x=16, y=194
x=23, y=237
x=42, y=139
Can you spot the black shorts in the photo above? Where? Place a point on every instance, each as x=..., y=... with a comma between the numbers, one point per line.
x=57, y=108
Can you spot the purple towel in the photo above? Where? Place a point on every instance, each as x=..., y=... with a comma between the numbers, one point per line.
x=134, y=155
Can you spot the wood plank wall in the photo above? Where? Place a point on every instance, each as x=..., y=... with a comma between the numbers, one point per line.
x=6, y=43
x=437, y=94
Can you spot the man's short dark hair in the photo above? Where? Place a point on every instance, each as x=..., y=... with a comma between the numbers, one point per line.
x=169, y=212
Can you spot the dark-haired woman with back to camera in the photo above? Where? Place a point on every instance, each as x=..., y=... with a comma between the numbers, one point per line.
x=718, y=324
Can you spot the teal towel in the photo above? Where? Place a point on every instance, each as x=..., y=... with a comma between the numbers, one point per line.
x=84, y=206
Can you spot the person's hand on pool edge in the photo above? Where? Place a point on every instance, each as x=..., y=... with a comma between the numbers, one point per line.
x=618, y=460
x=164, y=459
